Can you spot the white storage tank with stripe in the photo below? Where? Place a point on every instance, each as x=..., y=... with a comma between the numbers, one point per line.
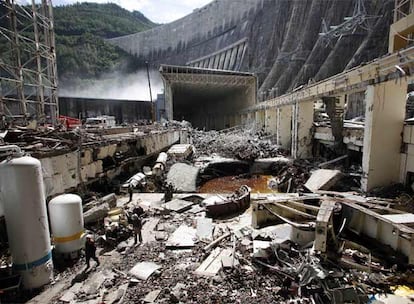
x=66, y=222
x=23, y=198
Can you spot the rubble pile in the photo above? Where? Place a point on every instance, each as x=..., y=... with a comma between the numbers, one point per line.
x=243, y=144
x=187, y=257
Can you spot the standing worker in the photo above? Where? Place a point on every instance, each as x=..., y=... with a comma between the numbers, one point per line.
x=90, y=251
x=137, y=225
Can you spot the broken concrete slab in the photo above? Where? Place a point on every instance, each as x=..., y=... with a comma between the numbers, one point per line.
x=144, y=270
x=180, y=151
x=183, y=237
x=93, y=284
x=70, y=295
x=205, y=228
x=183, y=177
x=178, y=205
x=151, y=297
x=229, y=262
x=323, y=179
x=96, y=213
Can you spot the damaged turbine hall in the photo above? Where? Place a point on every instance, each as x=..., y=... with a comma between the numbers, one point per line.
x=222, y=190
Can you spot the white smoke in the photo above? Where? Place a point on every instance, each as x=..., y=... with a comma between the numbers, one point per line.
x=117, y=85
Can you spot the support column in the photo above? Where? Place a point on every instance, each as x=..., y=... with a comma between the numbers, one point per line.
x=271, y=121
x=384, y=122
x=284, y=127
x=302, y=122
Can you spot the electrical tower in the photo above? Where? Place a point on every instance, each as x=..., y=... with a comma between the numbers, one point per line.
x=359, y=20
x=28, y=72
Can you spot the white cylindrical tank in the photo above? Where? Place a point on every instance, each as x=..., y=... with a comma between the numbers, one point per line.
x=66, y=222
x=23, y=198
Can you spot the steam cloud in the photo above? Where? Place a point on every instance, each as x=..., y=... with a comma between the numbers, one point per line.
x=117, y=86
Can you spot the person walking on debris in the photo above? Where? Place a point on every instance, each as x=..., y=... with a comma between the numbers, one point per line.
x=136, y=222
x=90, y=251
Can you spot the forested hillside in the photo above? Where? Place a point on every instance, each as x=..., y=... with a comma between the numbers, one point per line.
x=82, y=52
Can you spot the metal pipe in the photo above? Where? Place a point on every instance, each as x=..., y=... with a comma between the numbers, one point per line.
x=16, y=151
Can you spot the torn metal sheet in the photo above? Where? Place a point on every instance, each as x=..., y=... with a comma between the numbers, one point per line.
x=183, y=237
x=144, y=270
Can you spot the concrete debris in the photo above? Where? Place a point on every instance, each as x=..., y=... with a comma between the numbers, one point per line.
x=183, y=177
x=178, y=205
x=183, y=237
x=144, y=270
x=151, y=297
x=96, y=213
x=320, y=247
x=180, y=152
x=109, y=199
x=323, y=179
x=204, y=228
x=239, y=143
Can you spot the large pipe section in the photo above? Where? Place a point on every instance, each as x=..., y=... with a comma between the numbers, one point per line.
x=160, y=164
x=23, y=198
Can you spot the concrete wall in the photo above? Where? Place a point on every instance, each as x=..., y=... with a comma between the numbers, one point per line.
x=384, y=121
x=62, y=173
x=125, y=111
x=205, y=31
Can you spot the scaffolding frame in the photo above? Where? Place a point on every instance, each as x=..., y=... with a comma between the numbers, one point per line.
x=28, y=71
x=403, y=8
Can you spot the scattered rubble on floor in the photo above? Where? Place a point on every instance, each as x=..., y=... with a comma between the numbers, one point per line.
x=308, y=240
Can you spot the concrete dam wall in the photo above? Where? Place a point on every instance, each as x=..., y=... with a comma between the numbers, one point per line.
x=278, y=40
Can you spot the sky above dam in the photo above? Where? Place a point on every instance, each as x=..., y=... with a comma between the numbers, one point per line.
x=159, y=11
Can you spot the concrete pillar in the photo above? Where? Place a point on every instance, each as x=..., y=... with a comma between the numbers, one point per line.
x=168, y=102
x=271, y=121
x=384, y=122
x=302, y=122
x=284, y=127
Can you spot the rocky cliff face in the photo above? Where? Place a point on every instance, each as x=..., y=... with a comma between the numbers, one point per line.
x=281, y=39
